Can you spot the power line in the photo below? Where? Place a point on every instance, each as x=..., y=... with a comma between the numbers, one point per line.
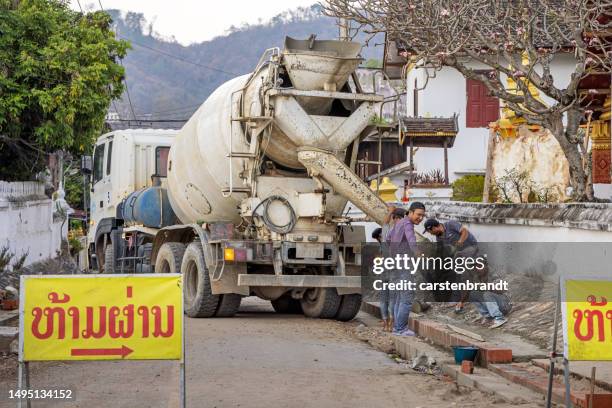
x=177, y=57
x=127, y=88
x=127, y=92
x=168, y=54
x=174, y=111
x=79, y=3
x=152, y=120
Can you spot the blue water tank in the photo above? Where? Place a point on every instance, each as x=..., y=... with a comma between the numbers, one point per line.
x=149, y=207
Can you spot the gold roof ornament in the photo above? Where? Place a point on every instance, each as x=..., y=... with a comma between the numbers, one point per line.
x=510, y=121
x=386, y=190
x=606, y=114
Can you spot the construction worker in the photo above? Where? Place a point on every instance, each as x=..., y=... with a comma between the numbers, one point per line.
x=402, y=239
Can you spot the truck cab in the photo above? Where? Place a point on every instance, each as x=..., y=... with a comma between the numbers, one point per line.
x=124, y=161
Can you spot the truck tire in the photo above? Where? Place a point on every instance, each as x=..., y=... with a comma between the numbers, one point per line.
x=228, y=305
x=109, y=259
x=199, y=300
x=287, y=305
x=349, y=307
x=169, y=258
x=321, y=302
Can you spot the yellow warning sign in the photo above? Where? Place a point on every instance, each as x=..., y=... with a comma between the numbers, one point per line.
x=587, y=319
x=101, y=317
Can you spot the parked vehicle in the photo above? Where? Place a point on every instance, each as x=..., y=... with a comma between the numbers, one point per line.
x=251, y=201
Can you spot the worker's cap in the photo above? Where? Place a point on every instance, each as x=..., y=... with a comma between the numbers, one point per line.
x=399, y=212
x=431, y=223
x=377, y=233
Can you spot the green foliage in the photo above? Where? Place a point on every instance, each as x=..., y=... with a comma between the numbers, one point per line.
x=58, y=75
x=75, y=245
x=373, y=63
x=73, y=186
x=468, y=188
x=10, y=261
x=379, y=121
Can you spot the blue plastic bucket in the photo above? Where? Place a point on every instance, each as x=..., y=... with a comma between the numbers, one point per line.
x=465, y=353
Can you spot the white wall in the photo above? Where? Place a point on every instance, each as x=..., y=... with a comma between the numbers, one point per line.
x=26, y=221
x=533, y=233
x=444, y=96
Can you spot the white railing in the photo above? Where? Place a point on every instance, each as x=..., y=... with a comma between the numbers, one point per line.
x=21, y=189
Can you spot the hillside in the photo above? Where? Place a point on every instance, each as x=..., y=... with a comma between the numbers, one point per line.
x=168, y=80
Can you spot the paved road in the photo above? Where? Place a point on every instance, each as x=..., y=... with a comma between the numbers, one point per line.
x=257, y=359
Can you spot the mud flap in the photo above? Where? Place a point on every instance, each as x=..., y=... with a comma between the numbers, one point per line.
x=226, y=280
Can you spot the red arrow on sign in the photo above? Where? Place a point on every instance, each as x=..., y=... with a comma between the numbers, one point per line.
x=123, y=351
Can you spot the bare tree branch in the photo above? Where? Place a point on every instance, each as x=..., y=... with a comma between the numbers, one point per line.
x=516, y=39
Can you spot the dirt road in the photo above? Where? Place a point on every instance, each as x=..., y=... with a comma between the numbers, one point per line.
x=257, y=359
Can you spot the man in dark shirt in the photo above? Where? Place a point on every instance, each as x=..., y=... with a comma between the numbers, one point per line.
x=452, y=233
x=490, y=305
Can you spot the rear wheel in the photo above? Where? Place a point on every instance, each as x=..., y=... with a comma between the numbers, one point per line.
x=199, y=300
x=170, y=258
x=109, y=259
x=287, y=305
x=349, y=307
x=321, y=302
x=228, y=305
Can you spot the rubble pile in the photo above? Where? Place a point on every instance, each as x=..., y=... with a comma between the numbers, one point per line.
x=62, y=265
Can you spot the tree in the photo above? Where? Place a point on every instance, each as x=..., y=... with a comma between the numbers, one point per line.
x=518, y=39
x=59, y=72
x=468, y=188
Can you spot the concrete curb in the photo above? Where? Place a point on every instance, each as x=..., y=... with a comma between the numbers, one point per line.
x=538, y=383
x=7, y=335
x=606, y=383
x=500, y=379
x=482, y=379
x=440, y=335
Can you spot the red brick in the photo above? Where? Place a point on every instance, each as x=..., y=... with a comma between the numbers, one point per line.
x=497, y=355
x=539, y=383
x=467, y=367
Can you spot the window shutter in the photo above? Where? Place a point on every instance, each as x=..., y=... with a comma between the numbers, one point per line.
x=480, y=107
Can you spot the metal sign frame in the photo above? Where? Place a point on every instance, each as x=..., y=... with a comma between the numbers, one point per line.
x=563, y=358
x=23, y=373
x=563, y=301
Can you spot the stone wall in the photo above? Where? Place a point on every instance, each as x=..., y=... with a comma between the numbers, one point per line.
x=567, y=222
x=28, y=222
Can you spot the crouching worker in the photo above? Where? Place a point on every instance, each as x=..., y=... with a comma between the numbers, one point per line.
x=459, y=240
x=493, y=307
x=455, y=235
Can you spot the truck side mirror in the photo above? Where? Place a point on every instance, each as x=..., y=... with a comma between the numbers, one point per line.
x=86, y=166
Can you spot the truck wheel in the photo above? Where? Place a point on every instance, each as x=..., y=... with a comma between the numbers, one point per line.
x=109, y=259
x=228, y=305
x=321, y=302
x=287, y=305
x=199, y=300
x=349, y=307
x=169, y=258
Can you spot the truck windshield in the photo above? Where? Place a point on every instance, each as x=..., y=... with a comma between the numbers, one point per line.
x=98, y=171
x=161, y=161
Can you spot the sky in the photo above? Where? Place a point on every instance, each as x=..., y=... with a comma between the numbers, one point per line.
x=192, y=21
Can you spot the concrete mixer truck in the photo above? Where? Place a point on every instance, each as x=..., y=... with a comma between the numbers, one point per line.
x=251, y=201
